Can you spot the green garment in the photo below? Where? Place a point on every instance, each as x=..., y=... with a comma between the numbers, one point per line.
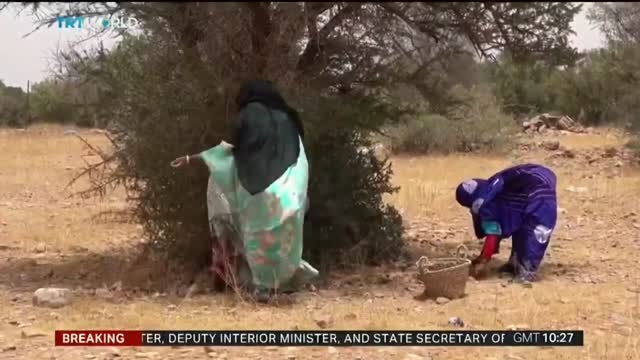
x=269, y=224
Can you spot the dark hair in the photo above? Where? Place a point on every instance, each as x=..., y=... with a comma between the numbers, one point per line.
x=265, y=92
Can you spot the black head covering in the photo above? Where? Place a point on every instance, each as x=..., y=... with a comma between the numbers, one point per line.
x=266, y=135
x=264, y=92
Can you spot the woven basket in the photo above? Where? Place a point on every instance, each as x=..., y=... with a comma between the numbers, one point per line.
x=445, y=277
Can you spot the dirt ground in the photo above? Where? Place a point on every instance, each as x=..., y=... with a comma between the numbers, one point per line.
x=590, y=274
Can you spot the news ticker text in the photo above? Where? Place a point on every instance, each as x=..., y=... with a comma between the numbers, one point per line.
x=317, y=338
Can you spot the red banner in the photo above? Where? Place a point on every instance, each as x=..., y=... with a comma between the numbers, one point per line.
x=98, y=338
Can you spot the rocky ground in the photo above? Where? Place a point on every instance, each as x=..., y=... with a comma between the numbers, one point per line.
x=590, y=276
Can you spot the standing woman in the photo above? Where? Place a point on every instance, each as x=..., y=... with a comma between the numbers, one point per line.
x=262, y=173
x=518, y=202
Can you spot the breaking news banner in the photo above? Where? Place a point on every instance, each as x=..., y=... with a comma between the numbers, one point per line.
x=317, y=338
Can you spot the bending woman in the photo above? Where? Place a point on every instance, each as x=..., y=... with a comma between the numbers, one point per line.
x=518, y=202
x=262, y=172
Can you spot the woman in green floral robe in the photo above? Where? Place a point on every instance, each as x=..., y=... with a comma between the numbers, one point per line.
x=260, y=174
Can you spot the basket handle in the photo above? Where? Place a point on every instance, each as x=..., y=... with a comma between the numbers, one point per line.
x=462, y=252
x=421, y=263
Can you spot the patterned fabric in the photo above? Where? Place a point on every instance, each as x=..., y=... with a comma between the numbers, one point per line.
x=268, y=226
x=518, y=202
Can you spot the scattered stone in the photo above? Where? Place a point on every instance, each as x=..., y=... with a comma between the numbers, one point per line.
x=145, y=355
x=617, y=319
x=103, y=293
x=9, y=348
x=350, y=316
x=323, y=321
x=29, y=334
x=610, y=152
x=623, y=330
x=40, y=248
x=114, y=352
x=172, y=307
x=574, y=189
x=564, y=301
x=552, y=145
x=52, y=297
x=414, y=357
x=513, y=357
x=117, y=286
x=442, y=300
x=456, y=321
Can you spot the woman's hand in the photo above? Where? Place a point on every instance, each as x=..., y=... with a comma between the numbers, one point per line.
x=478, y=267
x=181, y=161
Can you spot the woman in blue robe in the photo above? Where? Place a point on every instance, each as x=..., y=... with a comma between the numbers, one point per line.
x=518, y=202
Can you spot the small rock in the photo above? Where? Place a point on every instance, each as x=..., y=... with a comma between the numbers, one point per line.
x=104, y=294
x=145, y=355
x=617, y=319
x=564, y=301
x=414, y=357
x=623, y=330
x=172, y=307
x=209, y=350
x=89, y=356
x=350, y=316
x=291, y=357
x=9, y=348
x=52, y=297
x=323, y=321
x=114, y=352
x=551, y=145
x=574, y=189
x=117, y=286
x=40, y=248
x=513, y=357
x=442, y=300
x=456, y=321
x=29, y=334
x=332, y=350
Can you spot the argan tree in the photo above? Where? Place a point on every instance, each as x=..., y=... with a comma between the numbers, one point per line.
x=168, y=87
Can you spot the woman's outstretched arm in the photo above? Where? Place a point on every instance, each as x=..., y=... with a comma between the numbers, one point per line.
x=186, y=160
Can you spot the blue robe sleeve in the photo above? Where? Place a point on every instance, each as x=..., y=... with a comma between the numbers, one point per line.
x=496, y=184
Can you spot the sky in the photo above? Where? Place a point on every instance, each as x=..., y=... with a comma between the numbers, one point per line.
x=28, y=59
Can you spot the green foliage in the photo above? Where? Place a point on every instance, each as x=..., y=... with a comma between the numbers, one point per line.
x=476, y=125
x=345, y=188
x=13, y=106
x=601, y=88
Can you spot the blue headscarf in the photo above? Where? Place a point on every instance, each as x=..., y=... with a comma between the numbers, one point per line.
x=468, y=191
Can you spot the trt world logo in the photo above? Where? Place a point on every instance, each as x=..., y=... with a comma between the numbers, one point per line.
x=96, y=23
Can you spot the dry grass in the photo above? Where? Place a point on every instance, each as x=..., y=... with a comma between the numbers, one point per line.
x=35, y=209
